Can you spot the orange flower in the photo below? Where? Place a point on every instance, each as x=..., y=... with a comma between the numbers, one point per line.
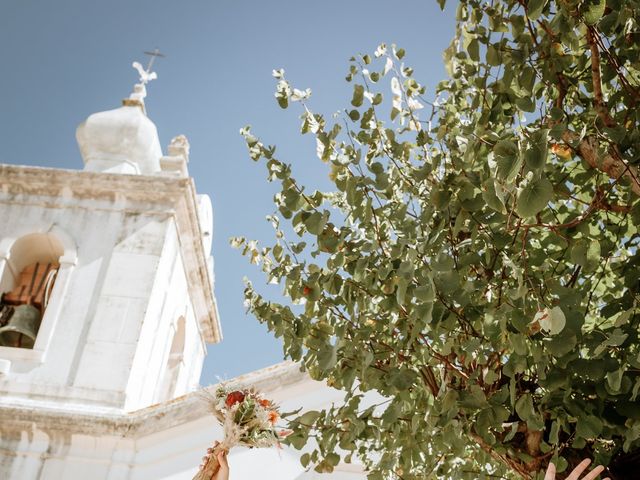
x=264, y=403
x=273, y=417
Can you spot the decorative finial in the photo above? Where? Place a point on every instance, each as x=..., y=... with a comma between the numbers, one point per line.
x=179, y=147
x=146, y=75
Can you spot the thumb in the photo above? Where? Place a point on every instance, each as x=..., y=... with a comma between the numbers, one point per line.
x=551, y=472
x=222, y=460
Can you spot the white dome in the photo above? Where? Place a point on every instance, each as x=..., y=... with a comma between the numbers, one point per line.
x=123, y=140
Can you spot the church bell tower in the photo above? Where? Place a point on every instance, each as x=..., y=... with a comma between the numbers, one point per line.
x=106, y=277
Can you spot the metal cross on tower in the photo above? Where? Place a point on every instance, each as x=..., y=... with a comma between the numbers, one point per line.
x=156, y=53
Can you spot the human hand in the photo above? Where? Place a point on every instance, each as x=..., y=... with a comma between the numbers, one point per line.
x=575, y=475
x=221, y=469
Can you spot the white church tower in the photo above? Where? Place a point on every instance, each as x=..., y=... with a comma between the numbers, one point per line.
x=106, y=307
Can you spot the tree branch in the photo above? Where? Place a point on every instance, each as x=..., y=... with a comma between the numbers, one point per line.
x=505, y=459
x=616, y=168
x=596, y=80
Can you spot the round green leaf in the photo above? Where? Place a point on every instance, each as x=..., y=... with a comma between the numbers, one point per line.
x=534, y=197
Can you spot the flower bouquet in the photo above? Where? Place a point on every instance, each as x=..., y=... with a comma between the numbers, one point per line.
x=246, y=418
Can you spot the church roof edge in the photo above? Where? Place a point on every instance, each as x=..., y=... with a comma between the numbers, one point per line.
x=151, y=419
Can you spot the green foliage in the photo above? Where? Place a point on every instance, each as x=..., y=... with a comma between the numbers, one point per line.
x=477, y=262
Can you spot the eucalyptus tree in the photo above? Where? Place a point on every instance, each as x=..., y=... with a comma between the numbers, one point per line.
x=476, y=260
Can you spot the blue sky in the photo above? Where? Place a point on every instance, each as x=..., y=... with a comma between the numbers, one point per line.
x=63, y=60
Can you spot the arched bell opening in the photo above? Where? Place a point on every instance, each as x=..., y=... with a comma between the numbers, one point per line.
x=27, y=281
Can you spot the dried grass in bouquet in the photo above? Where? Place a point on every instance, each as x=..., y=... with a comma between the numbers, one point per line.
x=247, y=419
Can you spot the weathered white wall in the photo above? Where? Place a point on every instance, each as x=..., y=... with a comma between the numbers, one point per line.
x=169, y=301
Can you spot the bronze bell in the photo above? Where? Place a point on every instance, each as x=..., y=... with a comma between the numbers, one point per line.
x=22, y=328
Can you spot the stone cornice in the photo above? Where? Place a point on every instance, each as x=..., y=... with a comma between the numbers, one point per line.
x=59, y=188
x=149, y=420
x=62, y=184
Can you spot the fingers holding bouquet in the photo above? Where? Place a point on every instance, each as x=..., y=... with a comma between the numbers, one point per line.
x=223, y=473
x=214, y=464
